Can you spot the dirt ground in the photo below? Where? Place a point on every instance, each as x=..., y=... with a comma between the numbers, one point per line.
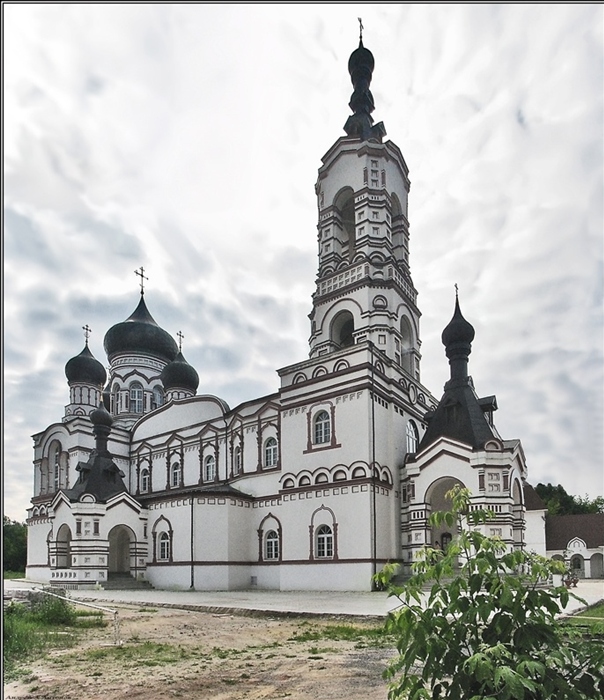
x=169, y=653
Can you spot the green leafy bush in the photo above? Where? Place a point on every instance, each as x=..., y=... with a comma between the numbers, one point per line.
x=51, y=610
x=478, y=622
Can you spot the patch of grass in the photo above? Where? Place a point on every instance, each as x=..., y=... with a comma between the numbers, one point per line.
x=589, y=622
x=87, y=619
x=363, y=636
x=322, y=650
x=225, y=653
x=145, y=654
x=596, y=610
x=14, y=574
x=29, y=631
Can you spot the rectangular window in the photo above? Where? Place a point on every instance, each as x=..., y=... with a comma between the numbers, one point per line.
x=95, y=527
x=375, y=215
x=376, y=231
x=78, y=527
x=374, y=163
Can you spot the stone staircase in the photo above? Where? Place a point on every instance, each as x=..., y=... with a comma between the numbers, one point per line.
x=124, y=581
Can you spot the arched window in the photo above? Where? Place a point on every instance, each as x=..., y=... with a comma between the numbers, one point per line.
x=412, y=437
x=144, y=480
x=163, y=546
x=237, y=462
x=324, y=542
x=304, y=481
x=271, y=545
x=157, y=398
x=115, y=399
x=322, y=431
x=57, y=468
x=136, y=398
x=175, y=474
x=270, y=452
x=288, y=484
x=209, y=471
x=344, y=204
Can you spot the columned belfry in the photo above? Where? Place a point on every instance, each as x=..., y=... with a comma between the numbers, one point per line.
x=364, y=288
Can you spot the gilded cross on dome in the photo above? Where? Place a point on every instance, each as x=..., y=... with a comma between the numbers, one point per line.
x=87, y=331
x=180, y=337
x=141, y=273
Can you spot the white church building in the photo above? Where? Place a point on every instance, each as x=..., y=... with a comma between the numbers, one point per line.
x=314, y=487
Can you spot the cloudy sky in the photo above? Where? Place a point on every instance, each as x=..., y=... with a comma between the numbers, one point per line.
x=186, y=139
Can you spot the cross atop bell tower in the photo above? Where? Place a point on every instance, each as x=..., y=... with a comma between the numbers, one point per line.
x=364, y=288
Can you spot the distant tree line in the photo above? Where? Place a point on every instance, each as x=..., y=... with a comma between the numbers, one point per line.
x=14, y=538
x=559, y=502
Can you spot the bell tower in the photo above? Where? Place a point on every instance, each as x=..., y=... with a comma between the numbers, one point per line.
x=364, y=289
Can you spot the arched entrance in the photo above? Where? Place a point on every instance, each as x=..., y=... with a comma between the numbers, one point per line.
x=63, y=549
x=518, y=511
x=436, y=498
x=120, y=539
x=577, y=566
x=597, y=565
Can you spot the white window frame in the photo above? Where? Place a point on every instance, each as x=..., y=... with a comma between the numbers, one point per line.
x=271, y=546
x=145, y=480
x=209, y=468
x=324, y=542
x=237, y=460
x=137, y=397
x=322, y=428
x=163, y=546
x=175, y=474
x=412, y=436
x=271, y=453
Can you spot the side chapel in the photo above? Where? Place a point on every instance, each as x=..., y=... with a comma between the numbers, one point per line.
x=315, y=486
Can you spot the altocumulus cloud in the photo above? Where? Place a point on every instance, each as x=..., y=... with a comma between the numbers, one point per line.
x=186, y=138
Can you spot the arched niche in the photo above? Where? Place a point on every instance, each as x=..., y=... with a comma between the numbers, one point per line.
x=344, y=204
x=342, y=329
x=406, y=344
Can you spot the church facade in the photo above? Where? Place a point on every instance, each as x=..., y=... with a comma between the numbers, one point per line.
x=314, y=487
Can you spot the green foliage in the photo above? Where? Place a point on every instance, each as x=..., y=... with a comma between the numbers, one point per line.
x=28, y=631
x=14, y=540
x=559, y=502
x=50, y=610
x=478, y=621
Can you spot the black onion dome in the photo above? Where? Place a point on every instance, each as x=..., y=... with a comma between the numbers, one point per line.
x=179, y=374
x=85, y=369
x=101, y=416
x=140, y=333
x=361, y=61
x=458, y=330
